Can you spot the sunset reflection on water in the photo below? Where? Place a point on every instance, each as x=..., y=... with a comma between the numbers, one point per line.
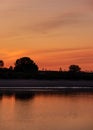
x=47, y=112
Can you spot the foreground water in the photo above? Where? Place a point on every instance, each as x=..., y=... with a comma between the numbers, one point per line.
x=46, y=112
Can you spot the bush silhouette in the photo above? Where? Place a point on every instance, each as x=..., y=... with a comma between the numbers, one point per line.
x=1, y=64
x=74, y=68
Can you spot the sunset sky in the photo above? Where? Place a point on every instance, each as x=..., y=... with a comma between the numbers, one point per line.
x=54, y=33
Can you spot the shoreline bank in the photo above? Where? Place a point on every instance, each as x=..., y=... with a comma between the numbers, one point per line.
x=64, y=86
x=46, y=83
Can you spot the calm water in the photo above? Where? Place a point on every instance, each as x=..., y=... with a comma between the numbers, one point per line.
x=46, y=112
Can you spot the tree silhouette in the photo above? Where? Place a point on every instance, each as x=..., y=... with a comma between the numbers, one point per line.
x=1, y=64
x=74, y=68
x=11, y=68
x=25, y=64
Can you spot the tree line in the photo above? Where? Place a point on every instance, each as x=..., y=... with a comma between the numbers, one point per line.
x=26, y=68
x=25, y=64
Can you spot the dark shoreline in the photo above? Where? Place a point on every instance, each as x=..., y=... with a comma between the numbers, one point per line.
x=62, y=86
x=45, y=83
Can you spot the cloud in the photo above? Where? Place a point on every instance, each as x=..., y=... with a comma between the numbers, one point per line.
x=69, y=17
x=28, y=13
x=89, y=3
x=64, y=57
x=51, y=57
x=58, y=50
x=64, y=19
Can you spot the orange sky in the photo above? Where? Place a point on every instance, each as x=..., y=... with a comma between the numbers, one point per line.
x=54, y=33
